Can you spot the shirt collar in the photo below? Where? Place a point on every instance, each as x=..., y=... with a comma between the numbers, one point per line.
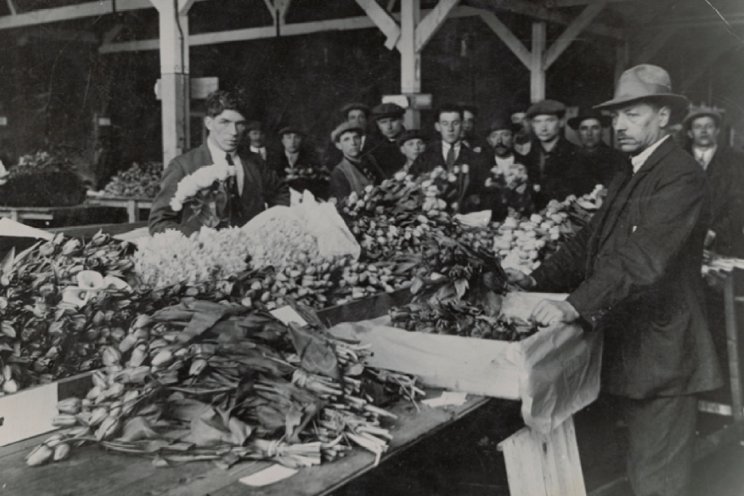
x=640, y=159
x=218, y=155
x=255, y=149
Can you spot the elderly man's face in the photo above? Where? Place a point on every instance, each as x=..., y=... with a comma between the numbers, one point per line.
x=226, y=129
x=502, y=141
x=350, y=144
x=412, y=148
x=546, y=127
x=639, y=126
x=704, y=132
x=357, y=118
x=590, y=133
x=291, y=142
x=390, y=127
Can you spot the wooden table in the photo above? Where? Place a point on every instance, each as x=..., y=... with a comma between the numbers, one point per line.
x=91, y=471
x=19, y=214
x=132, y=205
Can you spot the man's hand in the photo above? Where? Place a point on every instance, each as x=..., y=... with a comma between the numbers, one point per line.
x=520, y=279
x=550, y=312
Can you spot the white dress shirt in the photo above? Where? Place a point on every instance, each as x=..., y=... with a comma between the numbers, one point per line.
x=446, y=147
x=261, y=151
x=503, y=164
x=704, y=155
x=640, y=159
x=219, y=156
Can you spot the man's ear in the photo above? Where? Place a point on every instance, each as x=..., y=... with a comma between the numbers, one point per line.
x=338, y=145
x=437, y=127
x=665, y=115
x=208, y=122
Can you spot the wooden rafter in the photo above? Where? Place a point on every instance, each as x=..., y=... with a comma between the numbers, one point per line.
x=659, y=40
x=383, y=20
x=429, y=25
x=11, y=7
x=573, y=30
x=506, y=35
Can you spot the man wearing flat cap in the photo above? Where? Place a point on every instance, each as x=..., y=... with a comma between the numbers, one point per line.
x=412, y=143
x=602, y=162
x=355, y=171
x=724, y=168
x=357, y=114
x=634, y=273
x=388, y=118
x=553, y=162
x=298, y=165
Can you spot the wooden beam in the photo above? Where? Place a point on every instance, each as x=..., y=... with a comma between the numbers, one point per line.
x=11, y=7
x=575, y=3
x=383, y=21
x=263, y=32
x=272, y=10
x=573, y=30
x=650, y=49
x=283, y=9
x=535, y=11
x=537, y=65
x=509, y=39
x=390, y=5
x=410, y=57
x=433, y=21
x=622, y=58
x=58, y=35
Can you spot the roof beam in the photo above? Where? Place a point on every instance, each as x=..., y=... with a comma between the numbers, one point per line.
x=650, y=49
x=429, y=25
x=11, y=7
x=573, y=30
x=509, y=39
x=263, y=32
x=575, y=3
x=383, y=20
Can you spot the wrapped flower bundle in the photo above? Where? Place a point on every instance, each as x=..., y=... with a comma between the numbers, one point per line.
x=205, y=192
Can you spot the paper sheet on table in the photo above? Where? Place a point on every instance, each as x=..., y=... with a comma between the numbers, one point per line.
x=554, y=372
x=270, y=475
x=447, y=398
x=133, y=235
x=13, y=229
x=27, y=414
x=295, y=197
x=287, y=314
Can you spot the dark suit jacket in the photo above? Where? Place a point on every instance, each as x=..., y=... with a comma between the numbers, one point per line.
x=725, y=174
x=634, y=272
x=333, y=155
x=261, y=187
x=306, y=159
x=601, y=165
x=387, y=155
x=564, y=172
x=473, y=197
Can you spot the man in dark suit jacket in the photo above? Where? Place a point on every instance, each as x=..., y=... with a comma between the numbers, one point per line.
x=724, y=168
x=298, y=165
x=451, y=154
x=257, y=186
x=356, y=114
x=553, y=162
x=601, y=161
x=385, y=150
x=634, y=272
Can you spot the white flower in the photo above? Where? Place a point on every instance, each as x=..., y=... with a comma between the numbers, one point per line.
x=400, y=175
x=456, y=169
x=176, y=205
x=465, y=168
x=451, y=178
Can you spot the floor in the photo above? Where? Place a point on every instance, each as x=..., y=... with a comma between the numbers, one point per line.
x=464, y=459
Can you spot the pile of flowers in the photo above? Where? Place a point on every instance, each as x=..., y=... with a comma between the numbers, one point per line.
x=138, y=181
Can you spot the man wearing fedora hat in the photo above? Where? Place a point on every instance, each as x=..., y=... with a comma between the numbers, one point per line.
x=724, y=168
x=602, y=162
x=634, y=273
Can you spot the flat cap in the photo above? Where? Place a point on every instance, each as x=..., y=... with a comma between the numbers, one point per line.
x=388, y=110
x=703, y=111
x=354, y=106
x=588, y=113
x=345, y=127
x=410, y=134
x=546, y=107
x=254, y=126
x=291, y=129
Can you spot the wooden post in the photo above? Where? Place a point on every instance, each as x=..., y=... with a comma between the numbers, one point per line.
x=547, y=465
x=174, y=75
x=537, y=63
x=410, y=58
x=622, y=58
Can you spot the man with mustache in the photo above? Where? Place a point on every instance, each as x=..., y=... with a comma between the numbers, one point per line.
x=634, y=273
x=255, y=186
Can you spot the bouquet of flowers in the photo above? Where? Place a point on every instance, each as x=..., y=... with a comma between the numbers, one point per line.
x=206, y=194
x=308, y=173
x=511, y=187
x=445, y=190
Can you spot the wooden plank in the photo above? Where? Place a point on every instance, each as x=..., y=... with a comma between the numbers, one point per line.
x=433, y=21
x=11, y=7
x=510, y=40
x=576, y=3
x=263, y=32
x=573, y=30
x=383, y=20
x=410, y=58
x=548, y=465
x=537, y=62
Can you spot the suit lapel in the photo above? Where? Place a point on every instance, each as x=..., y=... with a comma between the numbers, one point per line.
x=617, y=204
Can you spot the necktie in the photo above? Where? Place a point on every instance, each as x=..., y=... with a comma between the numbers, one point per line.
x=450, y=157
x=234, y=205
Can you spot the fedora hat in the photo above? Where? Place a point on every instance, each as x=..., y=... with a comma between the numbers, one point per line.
x=646, y=82
x=588, y=113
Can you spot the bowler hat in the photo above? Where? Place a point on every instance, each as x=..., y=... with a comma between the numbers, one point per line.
x=703, y=111
x=387, y=110
x=290, y=129
x=408, y=135
x=646, y=82
x=345, y=127
x=500, y=122
x=588, y=113
x=546, y=107
x=354, y=106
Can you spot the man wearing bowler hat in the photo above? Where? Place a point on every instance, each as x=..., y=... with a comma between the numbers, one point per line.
x=634, y=273
x=724, y=168
x=601, y=161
